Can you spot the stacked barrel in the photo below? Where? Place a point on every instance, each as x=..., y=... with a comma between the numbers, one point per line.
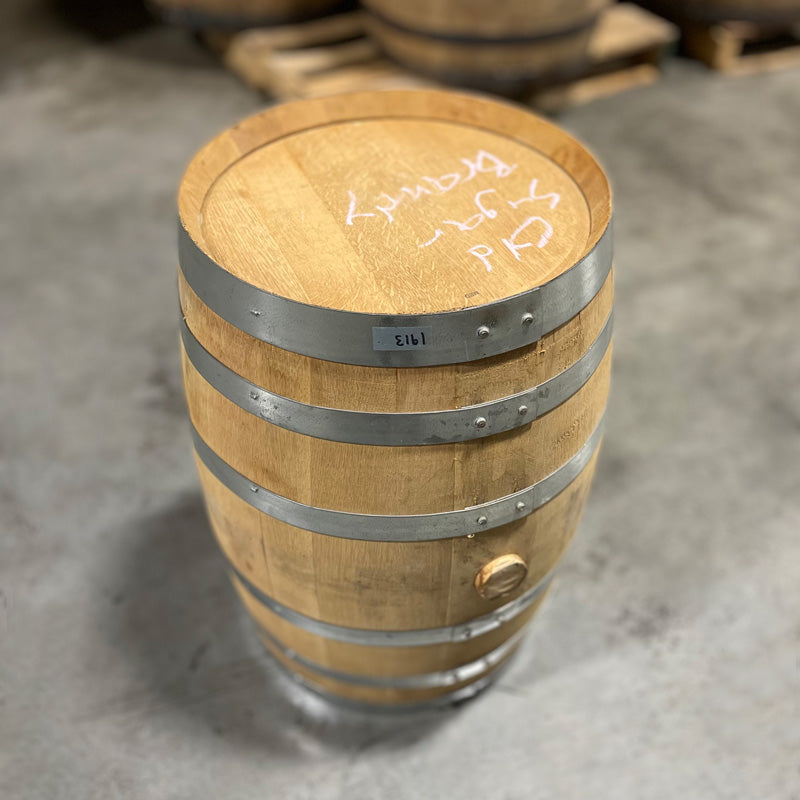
x=503, y=45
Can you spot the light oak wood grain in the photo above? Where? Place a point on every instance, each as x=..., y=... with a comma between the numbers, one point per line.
x=387, y=585
x=378, y=263
x=265, y=200
x=372, y=479
x=546, y=146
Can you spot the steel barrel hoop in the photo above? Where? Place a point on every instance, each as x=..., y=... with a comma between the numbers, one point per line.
x=399, y=528
x=399, y=638
x=439, y=703
x=348, y=337
x=426, y=680
x=397, y=429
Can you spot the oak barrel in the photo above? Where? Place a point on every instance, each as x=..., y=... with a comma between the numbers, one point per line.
x=240, y=14
x=396, y=345
x=502, y=45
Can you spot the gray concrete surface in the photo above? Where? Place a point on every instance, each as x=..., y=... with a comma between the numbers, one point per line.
x=667, y=662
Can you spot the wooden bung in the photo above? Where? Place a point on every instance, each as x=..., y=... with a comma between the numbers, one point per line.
x=503, y=45
x=500, y=576
x=396, y=351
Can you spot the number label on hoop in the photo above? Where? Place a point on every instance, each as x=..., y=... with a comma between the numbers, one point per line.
x=401, y=338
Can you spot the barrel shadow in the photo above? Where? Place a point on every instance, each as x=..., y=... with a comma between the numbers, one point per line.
x=180, y=630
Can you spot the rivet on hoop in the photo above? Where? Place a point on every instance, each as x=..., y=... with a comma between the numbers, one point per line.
x=480, y=422
x=255, y=312
x=482, y=520
x=527, y=319
x=522, y=410
x=483, y=331
x=520, y=506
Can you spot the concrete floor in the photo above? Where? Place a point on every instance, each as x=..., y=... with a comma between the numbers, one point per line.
x=667, y=662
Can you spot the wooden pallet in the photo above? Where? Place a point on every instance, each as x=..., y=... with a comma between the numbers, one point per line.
x=334, y=55
x=313, y=59
x=626, y=51
x=742, y=48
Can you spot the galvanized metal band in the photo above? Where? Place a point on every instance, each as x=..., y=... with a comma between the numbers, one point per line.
x=400, y=528
x=407, y=638
x=397, y=429
x=439, y=703
x=348, y=337
x=429, y=680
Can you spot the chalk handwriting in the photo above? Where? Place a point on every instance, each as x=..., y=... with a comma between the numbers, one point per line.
x=489, y=212
x=416, y=192
x=483, y=251
x=511, y=243
x=389, y=207
x=484, y=162
x=484, y=255
x=351, y=211
x=535, y=231
x=444, y=183
x=552, y=196
x=438, y=233
x=475, y=220
x=467, y=225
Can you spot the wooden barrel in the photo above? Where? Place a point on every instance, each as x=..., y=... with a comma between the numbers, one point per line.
x=763, y=11
x=240, y=14
x=502, y=45
x=396, y=348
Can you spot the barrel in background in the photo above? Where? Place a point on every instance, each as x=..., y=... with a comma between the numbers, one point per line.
x=396, y=332
x=503, y=45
